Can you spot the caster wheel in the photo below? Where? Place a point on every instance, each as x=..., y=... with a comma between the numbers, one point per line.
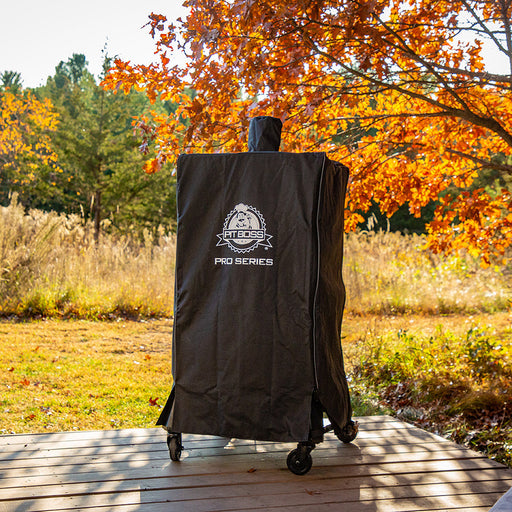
x=298, y=463
x=348, y=433
x=175, y=447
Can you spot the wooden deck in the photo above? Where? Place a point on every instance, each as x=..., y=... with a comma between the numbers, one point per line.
x=391, y=467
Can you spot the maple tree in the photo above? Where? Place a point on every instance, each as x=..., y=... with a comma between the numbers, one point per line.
x=25, y=144
x=395, y=89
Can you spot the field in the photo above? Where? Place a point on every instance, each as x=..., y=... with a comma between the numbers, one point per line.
x=52, y=267
x=79, y=374
x=425, y=337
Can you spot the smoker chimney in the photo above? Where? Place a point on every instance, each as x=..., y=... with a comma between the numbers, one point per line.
x=265, y=133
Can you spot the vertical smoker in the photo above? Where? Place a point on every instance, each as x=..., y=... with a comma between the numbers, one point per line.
x=259, y=298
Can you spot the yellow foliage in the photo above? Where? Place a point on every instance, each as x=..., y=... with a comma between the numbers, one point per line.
x=25, y=125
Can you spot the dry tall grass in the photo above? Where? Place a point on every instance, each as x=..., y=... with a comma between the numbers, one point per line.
x=50, y=266
x=393, y=273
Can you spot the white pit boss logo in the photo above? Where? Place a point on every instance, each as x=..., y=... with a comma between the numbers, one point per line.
x=244, y=230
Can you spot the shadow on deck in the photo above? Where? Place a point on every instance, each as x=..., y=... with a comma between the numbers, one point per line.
x=390, y=467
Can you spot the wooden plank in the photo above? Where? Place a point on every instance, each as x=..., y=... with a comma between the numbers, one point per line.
x=81, y=458
x=392, y=466
x=424, y=473
x=363, y=507
x=367, y=424
x=226, y=479
x=159, y=451
x=123, y=495
x=35, y=487
x=345, y=455
x=127, y=446
x=144, y=468
x=394, y=499
x=406, y=437
x=392, y=436
x=215, y=446
x=464, y=509
x=74, y=436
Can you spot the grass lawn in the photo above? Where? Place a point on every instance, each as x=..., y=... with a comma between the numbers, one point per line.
x=448, y=374
x=66, y=375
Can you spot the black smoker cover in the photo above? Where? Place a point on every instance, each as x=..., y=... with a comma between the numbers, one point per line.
x=259, y=295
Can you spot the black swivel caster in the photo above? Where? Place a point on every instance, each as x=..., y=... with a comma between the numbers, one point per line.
x=299, y=461
x=175, y=446
x=348, y=433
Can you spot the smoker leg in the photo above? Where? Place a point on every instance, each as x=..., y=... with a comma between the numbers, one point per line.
x=299, y=461
x=175, y=446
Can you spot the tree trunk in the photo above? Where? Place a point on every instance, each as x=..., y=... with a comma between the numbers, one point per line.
x=97, y=215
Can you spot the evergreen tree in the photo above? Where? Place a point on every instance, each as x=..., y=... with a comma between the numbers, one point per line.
x=11, y=80
x=100, y=166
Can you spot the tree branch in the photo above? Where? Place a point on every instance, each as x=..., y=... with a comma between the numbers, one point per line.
x=485, y=164
x=417, y=58
x=484, y=27
x=508, y=36
x=464, y=113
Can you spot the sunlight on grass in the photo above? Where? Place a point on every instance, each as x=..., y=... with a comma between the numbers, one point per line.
x=452, y=375
x=83, y=375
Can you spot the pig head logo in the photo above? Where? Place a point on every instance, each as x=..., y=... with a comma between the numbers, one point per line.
x=244, y=230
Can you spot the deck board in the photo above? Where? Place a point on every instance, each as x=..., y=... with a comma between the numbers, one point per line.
x=392, y=466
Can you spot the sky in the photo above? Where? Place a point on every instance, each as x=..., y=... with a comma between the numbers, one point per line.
x=35, y=35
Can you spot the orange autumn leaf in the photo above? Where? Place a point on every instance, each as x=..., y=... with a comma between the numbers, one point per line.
x=396, y=90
